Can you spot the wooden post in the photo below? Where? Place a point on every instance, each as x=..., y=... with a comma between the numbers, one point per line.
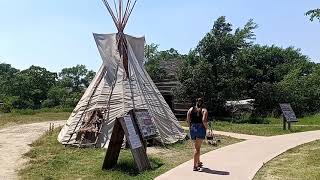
x=114, y=147
x=139, y=154
x=284, y=123
x=126, y=126
x=289, y=126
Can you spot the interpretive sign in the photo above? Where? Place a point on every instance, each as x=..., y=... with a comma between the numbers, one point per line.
x=126, y=126
x=134, y=139
x=129, y=125
x=288, y=113
x=146, y=125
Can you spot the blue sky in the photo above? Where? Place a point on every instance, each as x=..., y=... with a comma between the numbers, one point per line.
x=58, y=33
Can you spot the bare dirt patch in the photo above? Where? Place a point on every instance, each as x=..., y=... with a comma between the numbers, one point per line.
x=14, y=142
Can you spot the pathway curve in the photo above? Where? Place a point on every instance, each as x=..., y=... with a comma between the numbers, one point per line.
x=240, y=161
x=239, y=136
x=14, y=142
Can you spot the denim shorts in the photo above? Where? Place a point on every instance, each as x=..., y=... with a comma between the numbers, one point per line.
x=197, y=130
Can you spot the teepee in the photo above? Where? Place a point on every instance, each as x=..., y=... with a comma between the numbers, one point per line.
x=121, y=85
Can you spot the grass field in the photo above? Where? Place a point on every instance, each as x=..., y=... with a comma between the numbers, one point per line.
x=273, y=128
x=302, y=162
x=262, y=129
x=51, y=160
x=8, y=119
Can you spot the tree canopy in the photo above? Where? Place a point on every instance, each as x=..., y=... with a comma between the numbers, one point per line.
x=36, y=87
x=314, y=14
x=228, y=65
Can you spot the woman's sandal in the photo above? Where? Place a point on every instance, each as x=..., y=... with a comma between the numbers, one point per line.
x=196, y=168
x=200, y=164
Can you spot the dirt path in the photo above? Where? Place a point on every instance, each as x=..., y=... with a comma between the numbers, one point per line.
x=14, y=142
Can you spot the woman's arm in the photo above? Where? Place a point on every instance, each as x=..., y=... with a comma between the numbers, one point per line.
x=188, y=116
x=205, y=118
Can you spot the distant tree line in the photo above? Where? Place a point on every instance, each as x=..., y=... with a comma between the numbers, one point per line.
x=228, y=65
x=36, y=87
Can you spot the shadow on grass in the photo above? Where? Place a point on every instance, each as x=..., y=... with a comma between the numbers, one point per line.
x=128, y=166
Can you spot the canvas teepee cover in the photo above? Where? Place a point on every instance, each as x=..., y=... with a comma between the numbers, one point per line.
x=120, y=85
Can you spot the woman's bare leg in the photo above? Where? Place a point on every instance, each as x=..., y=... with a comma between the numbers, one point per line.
x=196, y=155
x=195, y=159
x=199, y=149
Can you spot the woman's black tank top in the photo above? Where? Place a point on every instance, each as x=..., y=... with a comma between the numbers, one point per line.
x=196, y=117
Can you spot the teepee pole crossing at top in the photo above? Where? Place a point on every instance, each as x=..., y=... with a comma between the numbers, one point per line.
x=120, y=17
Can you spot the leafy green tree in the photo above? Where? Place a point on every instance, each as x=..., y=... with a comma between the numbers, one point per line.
x=214, y=63
x=7, y=74
x=56, y=97
x=76, y=78
x=268, y=64
x=156, y=58
x=226, y=65
x=37, y=87
x=220, y=44
x=151, y=51
x=70, y=87
x=314, y=14
x=31, y=86
x=302, y=89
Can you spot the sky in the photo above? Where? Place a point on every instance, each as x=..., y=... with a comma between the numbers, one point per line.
x=58, y=33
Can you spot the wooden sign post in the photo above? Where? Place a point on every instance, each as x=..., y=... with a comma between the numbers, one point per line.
x=129, y=127
x=288, y=115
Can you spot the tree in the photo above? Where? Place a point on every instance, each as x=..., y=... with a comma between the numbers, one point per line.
x=151, y=51
x=269, y=64
x=37, y=87
x=70, y=87
x=221, y=43
x=226, y=65
x=302, y=89
x=76, y=78
x=156, y=58
x=214, y=62
x=7, y=74
x=31, y=86
x=314, y=14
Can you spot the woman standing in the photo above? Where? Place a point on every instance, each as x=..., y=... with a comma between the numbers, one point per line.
x=197, y=118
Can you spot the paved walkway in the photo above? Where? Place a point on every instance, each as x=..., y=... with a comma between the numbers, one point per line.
x=14, y=142
x=240, y=161
x=239, y=136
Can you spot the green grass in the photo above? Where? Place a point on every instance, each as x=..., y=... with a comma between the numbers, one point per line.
x=274, y=127
x=51, y=160
x=308, y=120
x=8, y=119
x=302, y=162
x=262, y=129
